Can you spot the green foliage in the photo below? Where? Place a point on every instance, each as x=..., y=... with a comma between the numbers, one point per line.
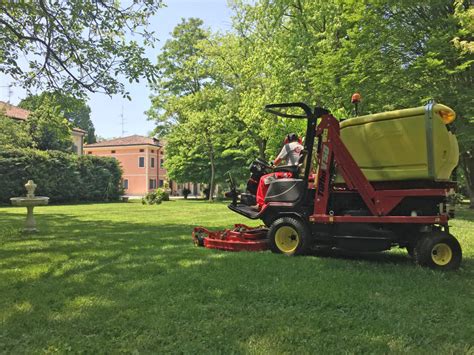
x=396, y=54
x=165, y=196
x=191, y=108
x=76, y=46
x=77, y=112
x=155, y=197
x=48, y=128
x=61, y=176
x=181, y=73
x=13, y=133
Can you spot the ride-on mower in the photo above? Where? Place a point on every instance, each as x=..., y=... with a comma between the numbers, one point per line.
x=368, y=184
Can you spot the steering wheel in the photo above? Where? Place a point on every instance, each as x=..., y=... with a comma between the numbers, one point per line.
x=265, y=163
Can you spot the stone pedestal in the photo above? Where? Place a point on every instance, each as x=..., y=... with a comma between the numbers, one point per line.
x=30, y=224
x=30, y=201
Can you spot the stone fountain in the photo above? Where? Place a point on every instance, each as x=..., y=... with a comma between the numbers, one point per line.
x=30, y=201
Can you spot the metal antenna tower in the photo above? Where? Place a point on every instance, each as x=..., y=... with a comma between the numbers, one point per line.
x=122, y=119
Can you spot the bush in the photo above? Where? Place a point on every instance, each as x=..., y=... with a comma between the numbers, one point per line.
x=152, y=198
x=63, y=177
x=155, y=197
x=164, y=194
x=186, y=192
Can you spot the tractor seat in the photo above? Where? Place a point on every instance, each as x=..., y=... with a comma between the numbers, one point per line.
x=294, y=169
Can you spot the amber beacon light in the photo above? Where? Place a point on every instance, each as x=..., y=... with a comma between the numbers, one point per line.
x=447, y=116
x=355, y=98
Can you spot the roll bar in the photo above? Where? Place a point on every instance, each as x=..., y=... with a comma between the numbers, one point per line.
x=311, y=116
x=309, y=113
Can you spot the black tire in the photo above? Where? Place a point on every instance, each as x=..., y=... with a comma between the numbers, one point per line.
x=438, y=250
x=289, y=236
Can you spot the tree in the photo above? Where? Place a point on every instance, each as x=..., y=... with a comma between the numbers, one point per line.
x=176, y=107
x=13, y=134
x=397, y=54
x=48, y=128
x=77, y=112
x=76, y=46
x=198, y=148
x=181, y=73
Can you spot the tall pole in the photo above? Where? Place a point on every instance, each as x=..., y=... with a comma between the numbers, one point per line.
x=122, y=118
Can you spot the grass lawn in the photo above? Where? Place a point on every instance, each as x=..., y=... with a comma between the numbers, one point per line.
x=127, y=278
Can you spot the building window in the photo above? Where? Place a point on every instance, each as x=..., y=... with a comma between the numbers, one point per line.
x=141, y=162
x=152, y=184
x=152, y=162
x=89, y=152
x=142, y=150
x=161, y=183
x=125, y=184
x=162, y=161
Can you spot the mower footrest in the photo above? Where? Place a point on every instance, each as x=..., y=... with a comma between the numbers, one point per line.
x=245, y=210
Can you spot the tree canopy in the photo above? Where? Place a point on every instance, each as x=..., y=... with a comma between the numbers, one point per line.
x=13, y=134
x=49, y=129
x=45, y=129
x=77, y=112
x=396, y=54
x=76, y=46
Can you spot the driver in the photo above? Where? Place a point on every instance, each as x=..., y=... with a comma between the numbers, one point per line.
x=291, y=154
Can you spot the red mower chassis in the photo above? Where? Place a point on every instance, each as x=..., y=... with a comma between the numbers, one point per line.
x=240, y=238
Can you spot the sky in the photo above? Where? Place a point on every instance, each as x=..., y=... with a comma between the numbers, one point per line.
x=106, y=112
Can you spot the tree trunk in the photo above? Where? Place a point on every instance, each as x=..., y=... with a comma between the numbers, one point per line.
x=211, y=184
x=213, y=173
x=262, y=146
x=468, y=167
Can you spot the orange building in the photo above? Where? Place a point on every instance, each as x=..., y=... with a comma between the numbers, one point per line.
x=141, y=159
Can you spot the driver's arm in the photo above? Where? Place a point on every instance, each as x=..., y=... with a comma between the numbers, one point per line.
x=282, y=155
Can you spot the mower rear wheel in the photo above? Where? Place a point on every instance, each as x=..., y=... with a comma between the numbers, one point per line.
x=438, y=250
x=289, y=236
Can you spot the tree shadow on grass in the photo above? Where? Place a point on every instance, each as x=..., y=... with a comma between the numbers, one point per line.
x=95, y=286
x=385, y=257
x=464, y=213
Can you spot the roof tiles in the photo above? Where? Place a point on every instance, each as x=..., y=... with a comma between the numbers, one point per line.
x=123, y=141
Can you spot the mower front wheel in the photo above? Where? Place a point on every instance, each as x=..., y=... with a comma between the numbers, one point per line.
x=289, y=236
x=438, y=250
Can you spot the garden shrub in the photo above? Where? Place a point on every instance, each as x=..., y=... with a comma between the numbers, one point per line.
x=155, y=197
x=152, y=198
x=165, y=196
x=63, y=177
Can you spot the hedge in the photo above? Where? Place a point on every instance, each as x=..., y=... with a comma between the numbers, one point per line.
x=63, y=177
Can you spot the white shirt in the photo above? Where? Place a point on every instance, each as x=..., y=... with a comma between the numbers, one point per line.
x=291, y=153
